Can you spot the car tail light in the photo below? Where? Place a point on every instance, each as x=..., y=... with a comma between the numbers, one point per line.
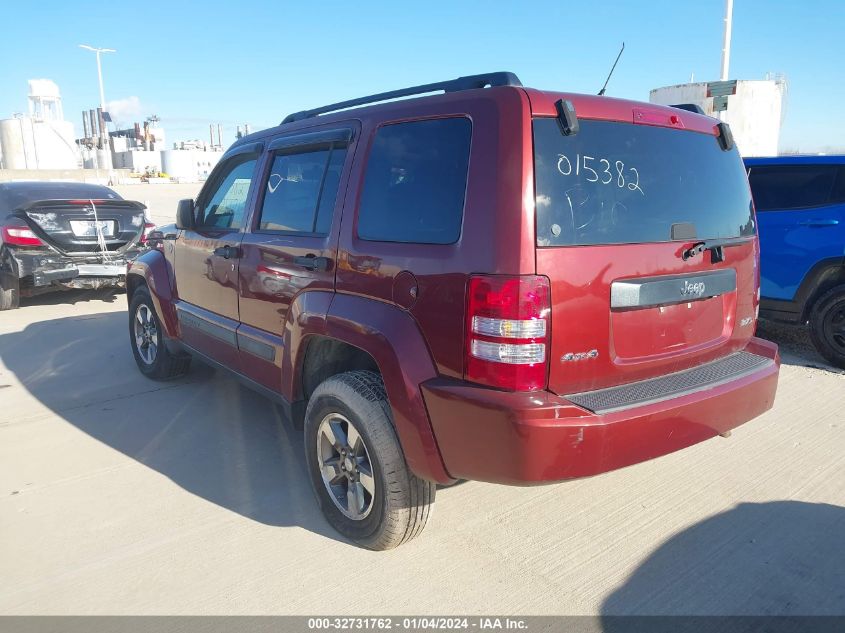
x=20, y=236
x=148, y=226
x=508, y=327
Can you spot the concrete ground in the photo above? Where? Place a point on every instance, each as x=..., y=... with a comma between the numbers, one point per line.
x=119, y=495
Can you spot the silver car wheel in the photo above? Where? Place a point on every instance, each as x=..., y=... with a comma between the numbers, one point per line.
x=146, y=334
x=345, y=466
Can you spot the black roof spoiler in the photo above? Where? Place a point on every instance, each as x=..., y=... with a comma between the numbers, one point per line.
x=65, y=202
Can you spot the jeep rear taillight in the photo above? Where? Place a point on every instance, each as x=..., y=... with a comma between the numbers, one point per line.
x=20, y=236
x=507, y=331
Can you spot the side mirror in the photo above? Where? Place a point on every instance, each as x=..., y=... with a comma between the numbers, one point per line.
x=185, y=214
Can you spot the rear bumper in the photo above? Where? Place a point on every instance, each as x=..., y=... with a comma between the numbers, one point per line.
x=47, y=267
x=523, y=438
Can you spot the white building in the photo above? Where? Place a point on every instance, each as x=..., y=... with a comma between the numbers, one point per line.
x=138, y=149
x=137, y=160
x=754, y=112
x=43, y=139
x=191, y=164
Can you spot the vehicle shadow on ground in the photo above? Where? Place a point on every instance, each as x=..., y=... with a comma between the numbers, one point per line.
x=74, y=296
x=795, y=345
x=205, y=432
x=741, y=562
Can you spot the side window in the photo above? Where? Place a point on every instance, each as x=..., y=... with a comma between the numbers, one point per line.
x=785, y=187
x=225, y=207
x=301, y=191
x=415, y=182
x=838, y=195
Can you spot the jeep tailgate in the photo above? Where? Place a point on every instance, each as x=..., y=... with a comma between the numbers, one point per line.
x=620, y=208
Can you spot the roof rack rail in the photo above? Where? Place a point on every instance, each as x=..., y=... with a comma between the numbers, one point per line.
x=469, y=82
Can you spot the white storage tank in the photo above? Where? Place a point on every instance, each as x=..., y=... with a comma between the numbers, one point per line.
x=17, y=143
x=42, y=140
x=754, y=112
x=103, y=158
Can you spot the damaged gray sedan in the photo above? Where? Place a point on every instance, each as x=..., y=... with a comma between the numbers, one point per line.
x=58, y=235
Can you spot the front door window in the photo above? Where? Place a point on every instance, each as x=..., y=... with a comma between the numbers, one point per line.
x=225, y=208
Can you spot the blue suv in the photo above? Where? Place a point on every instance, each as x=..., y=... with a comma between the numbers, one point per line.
x=800, y=202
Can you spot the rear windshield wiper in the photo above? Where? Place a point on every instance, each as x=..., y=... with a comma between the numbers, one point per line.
x=714, y=246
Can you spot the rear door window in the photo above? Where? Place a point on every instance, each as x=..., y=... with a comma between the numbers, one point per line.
x=301, y=191
x=783, y=187
x=415, y=182
x=616, y=183
x=838, y=195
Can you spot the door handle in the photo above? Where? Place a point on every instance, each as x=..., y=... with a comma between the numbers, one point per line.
x=819, y=222
x=227, y=252
x=312, y=263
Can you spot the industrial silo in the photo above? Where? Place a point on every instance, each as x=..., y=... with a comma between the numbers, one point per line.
x=754, y=109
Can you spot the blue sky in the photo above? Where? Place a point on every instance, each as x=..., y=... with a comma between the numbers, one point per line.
x=254, y=61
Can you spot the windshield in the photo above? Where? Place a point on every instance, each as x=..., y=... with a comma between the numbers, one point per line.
x=618, y=183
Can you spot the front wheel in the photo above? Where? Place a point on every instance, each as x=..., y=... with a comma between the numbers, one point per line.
x=827, y=325
x=147, y=339
x=356, y=466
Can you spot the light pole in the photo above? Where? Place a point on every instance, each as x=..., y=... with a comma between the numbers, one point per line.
x=726, y=42
x=99, y=70
x=104, y=160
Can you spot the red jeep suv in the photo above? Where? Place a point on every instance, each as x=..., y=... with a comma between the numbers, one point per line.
x=494, y=283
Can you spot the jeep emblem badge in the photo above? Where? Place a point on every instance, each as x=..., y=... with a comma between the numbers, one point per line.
x=693, y=290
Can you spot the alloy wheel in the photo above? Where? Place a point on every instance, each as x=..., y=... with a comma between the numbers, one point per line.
x=146, y=334
x=345, y=466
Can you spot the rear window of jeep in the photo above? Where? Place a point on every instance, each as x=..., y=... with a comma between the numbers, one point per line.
x=618, y=183
x=415, y=182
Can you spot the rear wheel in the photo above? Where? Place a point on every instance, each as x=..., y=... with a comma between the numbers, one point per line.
x=147, y=339
x=827, y=325
x=10, y=285
x=10, y=293
x=356, y=466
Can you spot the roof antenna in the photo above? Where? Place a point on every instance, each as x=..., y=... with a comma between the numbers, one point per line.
x=604, y=87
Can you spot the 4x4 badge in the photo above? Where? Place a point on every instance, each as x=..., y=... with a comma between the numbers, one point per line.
x=593, y=353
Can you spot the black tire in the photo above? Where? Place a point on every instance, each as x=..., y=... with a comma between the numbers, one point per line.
x=827, y=325
x=160, y=364
x=10, y=293
x=402, y=502
x=10, y=285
